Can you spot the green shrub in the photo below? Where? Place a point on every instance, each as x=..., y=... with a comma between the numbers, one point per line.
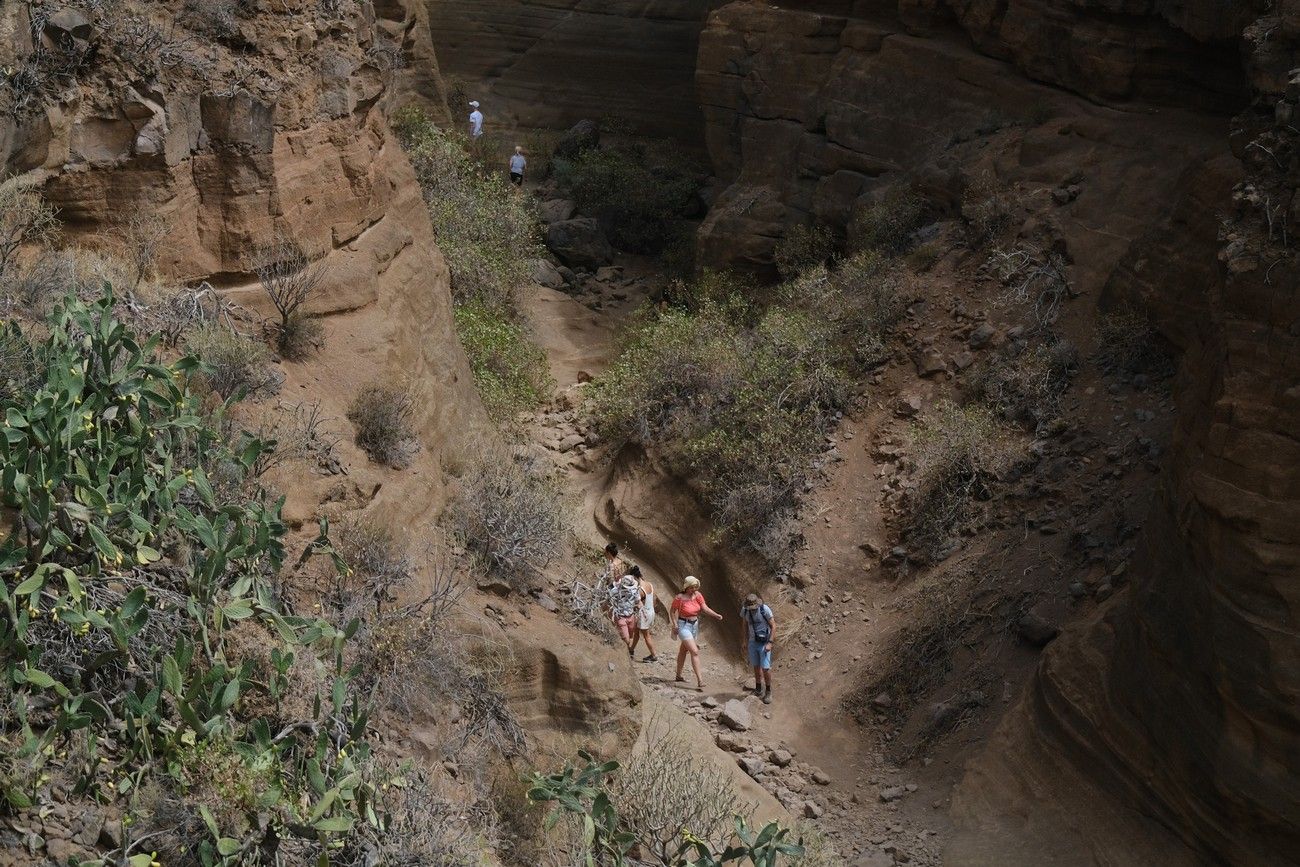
x=145, y=629
x=959, y=452
x=803, y=247
x=384, y=419
x=511, y=518
x=635, y=193
x=740, y=409
x=863, y=298
x=489, y=234
x=887, y=224
x=924, y=257
x=511, y=372
x=235, y=364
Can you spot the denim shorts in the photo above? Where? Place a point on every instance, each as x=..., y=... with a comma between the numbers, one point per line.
x=688, y=630
x=759, y=657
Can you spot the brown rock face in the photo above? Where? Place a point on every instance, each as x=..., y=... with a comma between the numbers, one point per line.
x=805, y=110
x=300, y=147
x=550, y=63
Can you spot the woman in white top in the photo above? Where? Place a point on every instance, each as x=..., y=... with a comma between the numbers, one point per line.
x=517, y=164
x=645, y=616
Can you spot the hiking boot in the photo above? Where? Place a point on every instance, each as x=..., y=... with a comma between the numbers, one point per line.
x=767, y=697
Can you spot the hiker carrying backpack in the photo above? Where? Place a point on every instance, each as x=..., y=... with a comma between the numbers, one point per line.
x=760, y=629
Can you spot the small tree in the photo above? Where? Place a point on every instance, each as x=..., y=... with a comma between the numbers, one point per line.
x=25, y=218
x=290, y=279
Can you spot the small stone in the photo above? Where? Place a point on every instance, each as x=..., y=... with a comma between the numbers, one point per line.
x=812, y=810
x=820, y=777
x=451, y=768
x=929, y=363
x=735, y=716
x=709, y=701
x=751, y=765
x=780, y=758
x=892, y=793
x=980, y=337
x=908, y=405
x=963, y=360
x=884, y=701
x=497, y=586
x=548, y=603
x=1035, y=629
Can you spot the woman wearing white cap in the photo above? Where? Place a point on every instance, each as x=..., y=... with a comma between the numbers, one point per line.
x=686, y=609
x=475, y=120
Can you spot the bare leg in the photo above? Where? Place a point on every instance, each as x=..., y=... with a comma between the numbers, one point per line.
x=649, y=642
x=681, y=658
x=694, y=651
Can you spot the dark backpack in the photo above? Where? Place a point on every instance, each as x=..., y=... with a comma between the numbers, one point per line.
x=762, y=631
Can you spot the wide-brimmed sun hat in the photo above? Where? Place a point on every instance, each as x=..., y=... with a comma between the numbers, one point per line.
x=690, y=581
x=751, y=600
x=628, y=582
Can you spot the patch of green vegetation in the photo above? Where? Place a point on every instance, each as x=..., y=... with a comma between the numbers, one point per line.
x=636, y=192
x=489, y=235
x=511, y=372
x=148, y=651
x=738, y=396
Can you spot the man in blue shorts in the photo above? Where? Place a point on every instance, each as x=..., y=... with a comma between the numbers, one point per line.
x=760, y=631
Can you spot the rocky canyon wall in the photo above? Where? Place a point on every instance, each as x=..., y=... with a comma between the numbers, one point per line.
x=549, y=63
x=809, y=110
x=1167, y=731
x=287, y=135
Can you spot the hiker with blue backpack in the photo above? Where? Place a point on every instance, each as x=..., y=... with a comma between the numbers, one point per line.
x=760, y=631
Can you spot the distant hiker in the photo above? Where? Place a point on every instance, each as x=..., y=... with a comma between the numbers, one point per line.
x=760, y=631
x=623, y=600
x=615, y=568
x=686, y=609
x=517, y=165
x=475, y=121
x=645, y=616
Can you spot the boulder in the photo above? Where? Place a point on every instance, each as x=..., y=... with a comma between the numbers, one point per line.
x=981, y=336
x=735, y=716
x=546, y=274
x=1035, y=629
x=780, y=758
x=557, y=210
x=579, y=243
x=582, y=136
x=751, y=765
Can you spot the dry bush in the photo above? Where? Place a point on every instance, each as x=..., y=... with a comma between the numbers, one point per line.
x=587, y=606
x=987, y=209
x=300, y=434
x=924, y=257
x=819, y=850
x=238, y=365
x=18, y=370
x=150, y=49
x=424, y=829
x=25, y=220
x=511, y=516
x=887, y=224
x=660, y=797
x=1127, y=346
x=378, y=560
x=384, y=417
x=173, y=312
x=291, y=279
x=1032, y=277
x=803, y=247
x=918, y=657
x=959, y=452
x=142, y=238
x=218, y=19
x=1023, y=382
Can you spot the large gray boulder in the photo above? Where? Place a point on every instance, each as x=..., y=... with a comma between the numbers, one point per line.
x=582, y=136
x=579, y=243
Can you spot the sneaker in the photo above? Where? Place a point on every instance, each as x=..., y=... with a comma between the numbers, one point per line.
x=650, y=658
x=767, y=697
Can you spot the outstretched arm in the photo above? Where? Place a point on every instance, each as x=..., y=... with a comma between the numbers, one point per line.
x=709, y=611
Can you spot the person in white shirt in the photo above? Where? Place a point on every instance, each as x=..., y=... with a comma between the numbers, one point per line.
x=475, y=121
x=517, y=164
